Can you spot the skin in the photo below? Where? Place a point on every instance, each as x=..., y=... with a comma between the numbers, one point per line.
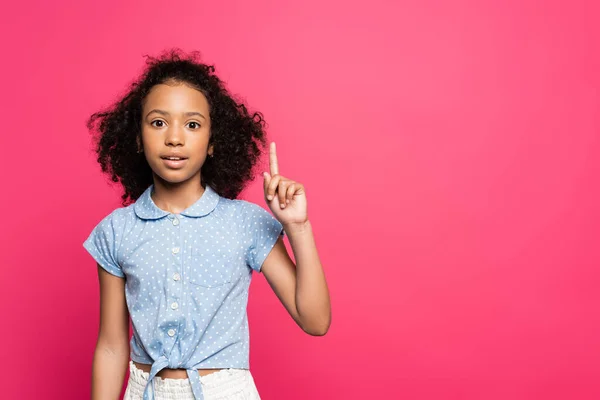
x=176, y=118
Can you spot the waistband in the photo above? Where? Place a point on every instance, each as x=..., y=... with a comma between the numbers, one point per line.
x=227, y=380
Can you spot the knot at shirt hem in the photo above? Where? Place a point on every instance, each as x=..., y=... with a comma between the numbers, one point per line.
x=162, y=363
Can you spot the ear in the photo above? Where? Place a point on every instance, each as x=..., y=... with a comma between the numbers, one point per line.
x=211, y=150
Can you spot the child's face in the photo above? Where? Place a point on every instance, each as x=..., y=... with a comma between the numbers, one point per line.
x=175, y=132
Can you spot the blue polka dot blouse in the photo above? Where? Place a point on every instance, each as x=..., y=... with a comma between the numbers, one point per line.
x=186, y=278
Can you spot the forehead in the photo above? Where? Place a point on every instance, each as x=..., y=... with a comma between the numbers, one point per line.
x=177, y=97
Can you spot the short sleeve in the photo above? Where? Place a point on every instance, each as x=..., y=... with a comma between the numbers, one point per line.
x=102, y=244
x=263, y=230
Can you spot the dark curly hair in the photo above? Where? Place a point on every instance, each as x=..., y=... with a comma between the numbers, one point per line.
x=238, y=136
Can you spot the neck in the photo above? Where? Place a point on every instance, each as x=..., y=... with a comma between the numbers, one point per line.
x=176, y=197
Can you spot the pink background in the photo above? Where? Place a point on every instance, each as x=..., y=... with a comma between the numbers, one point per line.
x=450, y=152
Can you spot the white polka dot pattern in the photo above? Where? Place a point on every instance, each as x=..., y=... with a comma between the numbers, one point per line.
x=187, y=276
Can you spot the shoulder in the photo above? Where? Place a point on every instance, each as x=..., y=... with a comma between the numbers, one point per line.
x=104, y=241
x=122, y=213
x=238, y=208
x=247, y=210
x=118, y=218
x=257, y=219
x=245, y=213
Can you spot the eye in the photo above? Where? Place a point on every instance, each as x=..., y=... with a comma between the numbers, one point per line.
x=153, y=123
x=194, y=125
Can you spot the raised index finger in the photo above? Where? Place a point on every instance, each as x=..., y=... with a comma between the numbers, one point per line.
x=273, y=160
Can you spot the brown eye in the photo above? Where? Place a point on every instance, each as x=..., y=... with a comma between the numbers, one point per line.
x=153, y=123
x=194, y=125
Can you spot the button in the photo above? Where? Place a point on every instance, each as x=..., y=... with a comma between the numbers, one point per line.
x=175, y=222
x=174, y=305
x=171, y=332
x=175, y=250
x=176, y=276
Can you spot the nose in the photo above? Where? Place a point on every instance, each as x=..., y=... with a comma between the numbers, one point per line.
x=174, y=137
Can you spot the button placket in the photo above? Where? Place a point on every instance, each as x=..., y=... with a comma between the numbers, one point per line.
x=175, y=291
x=176, y=252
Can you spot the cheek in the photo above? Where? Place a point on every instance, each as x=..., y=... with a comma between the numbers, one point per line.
x=198, y=143
x=151, y=142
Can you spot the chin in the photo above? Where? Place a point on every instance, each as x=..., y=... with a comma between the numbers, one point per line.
x=174, y=177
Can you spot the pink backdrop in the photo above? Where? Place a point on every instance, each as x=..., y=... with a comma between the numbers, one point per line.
x=450, y=152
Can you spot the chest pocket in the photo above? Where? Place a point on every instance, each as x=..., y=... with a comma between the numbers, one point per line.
x=210, y=268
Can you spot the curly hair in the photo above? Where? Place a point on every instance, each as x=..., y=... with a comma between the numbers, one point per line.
x=237, y=135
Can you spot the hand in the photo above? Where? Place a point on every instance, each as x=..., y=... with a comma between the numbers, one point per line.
x=286, y=198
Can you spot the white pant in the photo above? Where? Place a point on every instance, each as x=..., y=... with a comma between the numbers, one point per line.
x=226, y=384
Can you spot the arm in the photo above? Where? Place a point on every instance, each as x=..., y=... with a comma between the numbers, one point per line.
x=301, y=288
x=111, y=357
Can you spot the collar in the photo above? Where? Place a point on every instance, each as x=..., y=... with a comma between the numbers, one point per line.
x=145, y=208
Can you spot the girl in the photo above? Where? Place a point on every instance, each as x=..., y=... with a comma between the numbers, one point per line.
x=178, y=260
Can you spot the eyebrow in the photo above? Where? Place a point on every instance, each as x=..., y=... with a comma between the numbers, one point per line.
x=187, y=114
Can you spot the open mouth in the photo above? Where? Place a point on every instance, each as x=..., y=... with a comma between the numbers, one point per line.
x=174, y=162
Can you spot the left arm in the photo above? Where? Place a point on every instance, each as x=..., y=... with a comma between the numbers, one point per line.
x=301, y=288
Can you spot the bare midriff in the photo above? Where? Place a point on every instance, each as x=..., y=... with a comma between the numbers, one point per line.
x=168, y=373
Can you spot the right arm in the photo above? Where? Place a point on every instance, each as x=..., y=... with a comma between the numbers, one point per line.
x=111, y=357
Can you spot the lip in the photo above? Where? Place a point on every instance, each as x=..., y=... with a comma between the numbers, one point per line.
x=174, y=164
